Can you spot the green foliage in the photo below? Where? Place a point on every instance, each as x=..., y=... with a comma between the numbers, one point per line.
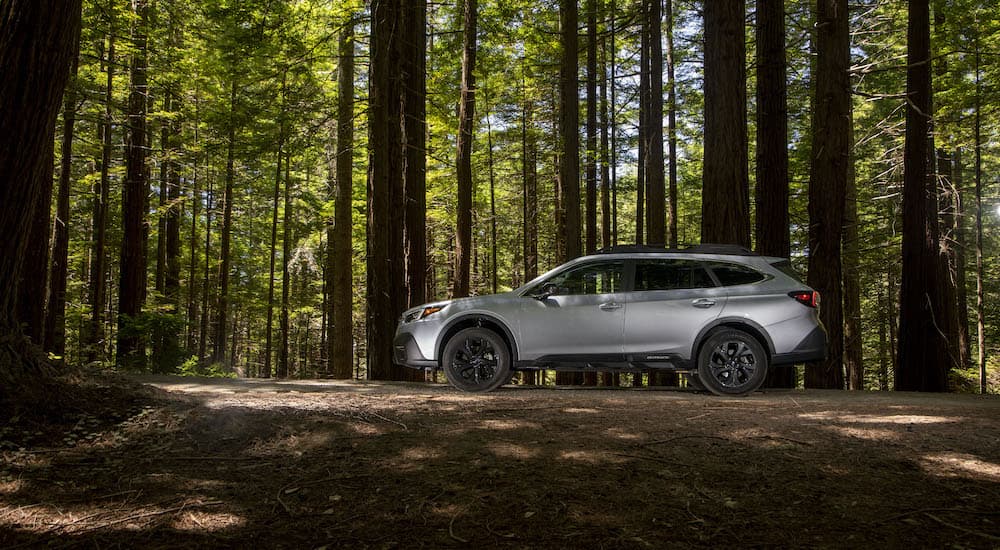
x=194, y=367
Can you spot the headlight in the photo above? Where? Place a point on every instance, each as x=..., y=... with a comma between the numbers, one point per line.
x=419, y=314
x=430, y=310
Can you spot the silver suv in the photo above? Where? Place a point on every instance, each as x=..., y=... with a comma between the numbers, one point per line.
x=720, y=314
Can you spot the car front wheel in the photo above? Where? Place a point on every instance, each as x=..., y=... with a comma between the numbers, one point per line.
x=732, y=362
x=476, y=360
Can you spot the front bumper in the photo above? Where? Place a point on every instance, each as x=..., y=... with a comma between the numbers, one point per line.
x=407, y=353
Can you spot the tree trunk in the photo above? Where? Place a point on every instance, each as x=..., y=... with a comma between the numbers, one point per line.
x=960, y=244
x=569, y=122
x=205, y=278
x=132, y=281
x=414, y=151
x=269, y=329
x=466, y=116
x=55, y=320
x=93, y=336
x=32, y=289
x=38, y=40
x=640, y=169
x=590, y=234
x=655, y=200
x=222, y=307
x=923, y=357
x=853, y=364
x=671, y=127
x=192, y=303
x=493, y=200
x=771, y=191
x=286, y=255
x=725, y=203
x=529, y=172
x=605, y=162
x=342, y=255
x=829, y=172
x=978, y=178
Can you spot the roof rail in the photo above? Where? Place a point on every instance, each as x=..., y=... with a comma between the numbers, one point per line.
x=728, y=249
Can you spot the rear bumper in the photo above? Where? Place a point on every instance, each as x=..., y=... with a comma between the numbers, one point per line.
x=811, y=348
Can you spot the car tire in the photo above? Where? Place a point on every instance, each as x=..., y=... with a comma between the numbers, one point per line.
x=476, y=360
x=732, y=362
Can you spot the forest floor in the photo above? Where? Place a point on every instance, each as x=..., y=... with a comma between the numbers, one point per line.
x=309, y=464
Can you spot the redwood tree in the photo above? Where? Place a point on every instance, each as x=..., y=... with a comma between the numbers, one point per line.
x=466, y=116
x=38, y=40
x=569, y=122
x=725, y=203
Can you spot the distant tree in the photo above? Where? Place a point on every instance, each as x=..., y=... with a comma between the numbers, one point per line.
x=653, y=137
x=464, y=180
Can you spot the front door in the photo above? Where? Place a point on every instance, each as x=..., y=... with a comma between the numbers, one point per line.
x=582, y=321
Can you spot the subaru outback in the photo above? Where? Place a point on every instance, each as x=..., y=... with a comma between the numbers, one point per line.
x=719, y=314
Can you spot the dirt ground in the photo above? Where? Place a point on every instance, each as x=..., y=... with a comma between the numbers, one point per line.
x=311, y=464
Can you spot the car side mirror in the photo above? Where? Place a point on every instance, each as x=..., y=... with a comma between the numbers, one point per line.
x=548, y=289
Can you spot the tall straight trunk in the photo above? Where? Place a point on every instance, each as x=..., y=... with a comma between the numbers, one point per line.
x=206, y=270
x=655, y=200
x=55, y=319
x=286, y=282
x=222, y=305
x=93, y=336
x=947, y=273
x=885, y=316
x=829, y=173
x=132, y=281
x=605, y=164
x=269, y=315
x=614, y=126
x=341, y=255
x=414, y=151
x=853, y=364
x=388, y=106
x=38, y=40
x=640, y=172
x=466, y=116
x=671, y=127
x=33, y=288
x=172, y=240
x=590, y=234
x=192, y=300
x=978, y=178
x=923, y=353
x=960, y=244
x=569, y=123
x=161, y=218
x=493, y=199
x=725, y=202
x=529, y=171
x=771, y=190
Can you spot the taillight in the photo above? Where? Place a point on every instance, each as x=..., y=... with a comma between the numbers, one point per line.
x=809, y=298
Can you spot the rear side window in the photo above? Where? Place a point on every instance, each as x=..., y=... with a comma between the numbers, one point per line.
x=733, y=274
x=670, y=275
x=785, y=267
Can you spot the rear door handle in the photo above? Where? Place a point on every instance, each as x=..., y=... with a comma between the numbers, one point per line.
x=703, y=303
x=610, y=306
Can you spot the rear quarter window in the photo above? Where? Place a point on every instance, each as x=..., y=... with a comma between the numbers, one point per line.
x=733, y=274
x=786, y=267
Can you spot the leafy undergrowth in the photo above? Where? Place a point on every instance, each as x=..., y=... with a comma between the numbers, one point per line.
x=312, y=464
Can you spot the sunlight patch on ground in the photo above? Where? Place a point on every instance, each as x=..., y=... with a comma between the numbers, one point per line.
x=951, y=464
x=295, y=444
x=505, y=449
x=509, y=424
x=626, y=434
x=581, y=410
x=881, y=419
x=591, y=457
x=871, y=434
x=200, y=520
x=10, y=487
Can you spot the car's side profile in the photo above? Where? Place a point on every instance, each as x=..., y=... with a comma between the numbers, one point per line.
x=719, y=314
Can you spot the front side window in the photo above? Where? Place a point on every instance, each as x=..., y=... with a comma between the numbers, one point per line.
x=670, y=275
x=733, y=274
x=593, y=278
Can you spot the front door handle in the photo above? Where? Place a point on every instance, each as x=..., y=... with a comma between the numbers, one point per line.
x=610, y=306
x=703, y=303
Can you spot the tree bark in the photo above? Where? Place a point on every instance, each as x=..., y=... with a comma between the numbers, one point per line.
x=671, y=127
x=961, y=271
x=283, y=369
x=590, y=234
x=342, y=255
x=222, y=305
x=269, y=330
x=466, y=116
x=55, y=319
x=725, y=203
x=655, y=200
x=529, y=175
x=853, y=363
x=38, y=40
x=923, y=357
x=771, y=191
x=569, y=122
x=829, y=172
x=414, y=151
x=131, y=353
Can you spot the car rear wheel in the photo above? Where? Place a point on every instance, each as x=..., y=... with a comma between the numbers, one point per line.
x=476, y=360
x=732, y=362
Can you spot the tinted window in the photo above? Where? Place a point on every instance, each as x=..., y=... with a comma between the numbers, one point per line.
x=785, y=267
x=732, y=274
x=670, y=275
x=595, y=278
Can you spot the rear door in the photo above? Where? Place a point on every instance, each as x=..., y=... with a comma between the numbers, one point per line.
x=671, y=299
